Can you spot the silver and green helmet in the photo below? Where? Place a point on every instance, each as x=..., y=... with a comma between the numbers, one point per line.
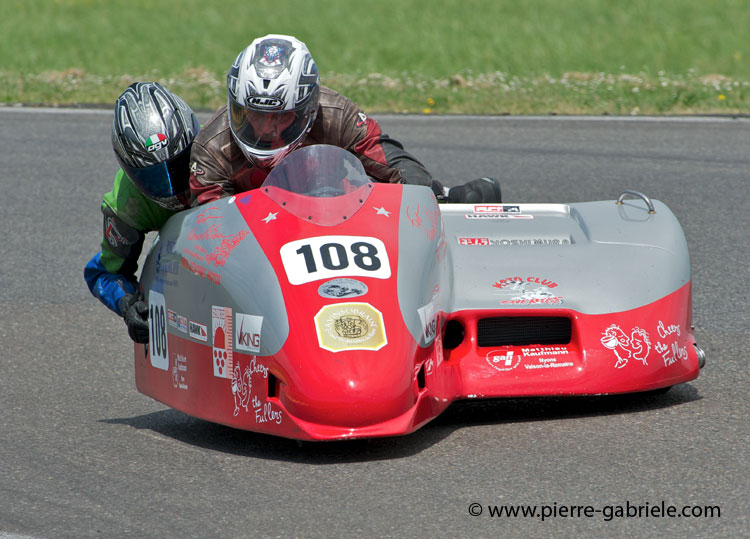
x=152, y=133
x=273, y=93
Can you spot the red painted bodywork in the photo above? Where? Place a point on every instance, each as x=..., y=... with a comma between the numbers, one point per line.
x=308, y=393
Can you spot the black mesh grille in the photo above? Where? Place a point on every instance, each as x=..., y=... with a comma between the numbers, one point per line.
x=523, y=330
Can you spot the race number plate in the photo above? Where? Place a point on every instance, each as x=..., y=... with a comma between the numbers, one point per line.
x=157, y=330
x=327, y=257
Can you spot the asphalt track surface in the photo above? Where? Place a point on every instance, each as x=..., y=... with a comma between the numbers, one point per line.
x=83, y=454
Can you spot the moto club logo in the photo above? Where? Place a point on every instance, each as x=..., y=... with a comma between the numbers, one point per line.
x=248, y=329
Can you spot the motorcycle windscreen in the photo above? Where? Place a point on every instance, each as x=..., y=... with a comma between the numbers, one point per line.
x=322, y=184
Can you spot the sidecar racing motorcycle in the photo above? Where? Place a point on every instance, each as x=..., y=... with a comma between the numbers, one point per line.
x=323, y=306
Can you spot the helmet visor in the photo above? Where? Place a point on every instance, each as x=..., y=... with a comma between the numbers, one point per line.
x=163, y=180
x=268, y=130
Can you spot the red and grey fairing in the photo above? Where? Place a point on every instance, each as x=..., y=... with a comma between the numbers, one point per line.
x=578, y=299
x=336, y=308
x=278, y=312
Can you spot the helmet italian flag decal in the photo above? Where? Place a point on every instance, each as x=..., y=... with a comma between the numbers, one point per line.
x=156, y=142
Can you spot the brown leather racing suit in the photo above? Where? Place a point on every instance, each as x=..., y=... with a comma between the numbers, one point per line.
x=219, y=168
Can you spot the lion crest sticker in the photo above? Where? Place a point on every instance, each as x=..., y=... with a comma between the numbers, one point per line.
x=350, y=326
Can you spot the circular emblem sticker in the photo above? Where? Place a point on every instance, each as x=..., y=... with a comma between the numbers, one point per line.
x=342, y=288
x=350, y=326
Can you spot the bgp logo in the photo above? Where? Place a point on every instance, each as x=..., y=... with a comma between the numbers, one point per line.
x=265, y=102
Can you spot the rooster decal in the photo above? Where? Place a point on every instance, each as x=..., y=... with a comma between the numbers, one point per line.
x=416, y=221
x=242, y=385
x=637, y=346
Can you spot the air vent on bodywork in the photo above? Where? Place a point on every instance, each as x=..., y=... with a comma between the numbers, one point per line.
x=523, y=330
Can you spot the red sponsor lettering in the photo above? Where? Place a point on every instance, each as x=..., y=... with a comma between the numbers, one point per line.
x=201, y=271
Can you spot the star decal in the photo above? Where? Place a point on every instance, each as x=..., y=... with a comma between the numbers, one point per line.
x=382, y=211
x=270, y=217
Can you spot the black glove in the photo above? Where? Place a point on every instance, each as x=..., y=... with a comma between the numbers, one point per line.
x=481, y=191
x=135, y=313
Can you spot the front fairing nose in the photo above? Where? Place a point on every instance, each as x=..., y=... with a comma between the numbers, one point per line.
x=351, y=388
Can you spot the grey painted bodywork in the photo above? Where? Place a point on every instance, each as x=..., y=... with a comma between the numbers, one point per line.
x=249, y=284
x=604, y=257
x=422, y=267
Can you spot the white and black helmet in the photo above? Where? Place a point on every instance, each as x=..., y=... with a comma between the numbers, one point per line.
x=273, y=93
x=152, y=133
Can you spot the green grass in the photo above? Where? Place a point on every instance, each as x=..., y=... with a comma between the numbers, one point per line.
x=442, y=56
